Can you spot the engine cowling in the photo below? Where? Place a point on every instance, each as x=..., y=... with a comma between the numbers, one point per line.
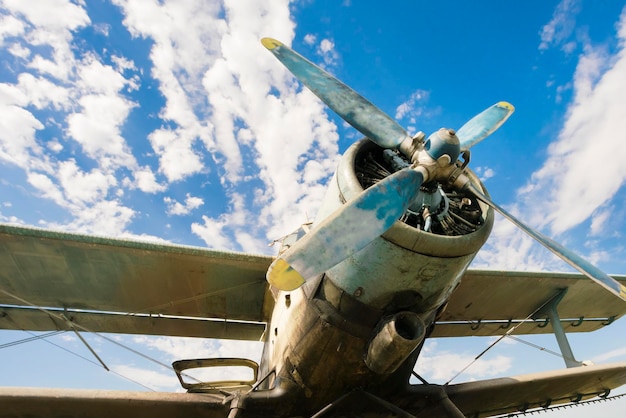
x=407, y=267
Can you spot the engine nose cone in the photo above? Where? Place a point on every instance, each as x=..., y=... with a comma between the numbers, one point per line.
x=443, y=142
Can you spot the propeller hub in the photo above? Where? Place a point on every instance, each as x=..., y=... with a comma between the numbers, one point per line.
x=442, y=143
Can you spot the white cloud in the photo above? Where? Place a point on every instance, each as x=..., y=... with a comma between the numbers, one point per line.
x=123, y=63
x=326, y=50
x=230, y=108
x=145, y=180
x=599, y=221
x=177, y=208
x=484, y=173
x=579, y=177
x=17, y=135
x=613, y=355
x=414, y=107
x=46, y=186
x=561, y=26
x=54, y=81
x=582, y=172
x=150, y=378
x=177, y=348
x=185, y=37
x=509, y=248
x=97, y=129
x=105, y=217
x=43, y=93
x=9, y=27
x=51, y=25
x=19, y=51
x=81, y=187
x=176, y=156
x=310, y=39
x=441, y=366
x=50, y=13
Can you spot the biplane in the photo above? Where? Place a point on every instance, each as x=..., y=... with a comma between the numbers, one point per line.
x=346, y=306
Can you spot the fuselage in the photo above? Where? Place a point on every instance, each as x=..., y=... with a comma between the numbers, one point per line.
x=363, y=322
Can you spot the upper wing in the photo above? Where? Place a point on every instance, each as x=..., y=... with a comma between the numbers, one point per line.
x=112, y=285
x=490, y=302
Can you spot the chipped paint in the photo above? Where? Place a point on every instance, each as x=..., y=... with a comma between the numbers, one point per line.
x=348, y=230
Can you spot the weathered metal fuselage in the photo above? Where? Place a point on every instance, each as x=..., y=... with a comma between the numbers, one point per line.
x=363, y=322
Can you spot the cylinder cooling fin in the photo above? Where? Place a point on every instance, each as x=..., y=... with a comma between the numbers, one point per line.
x=438, y=208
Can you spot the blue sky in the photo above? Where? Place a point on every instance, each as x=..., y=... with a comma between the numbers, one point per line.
x=169, y=121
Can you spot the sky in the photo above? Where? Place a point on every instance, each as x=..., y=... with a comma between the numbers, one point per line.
x=168, y=121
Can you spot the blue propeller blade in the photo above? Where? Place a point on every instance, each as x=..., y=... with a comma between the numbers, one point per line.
x=483, y=124
x=346, y=231
x=565, y=254
x=351, y=106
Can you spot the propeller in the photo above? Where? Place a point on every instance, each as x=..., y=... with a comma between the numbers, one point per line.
x=347, y=230
x=358, y=222
x=484, y=124
x=347, y=103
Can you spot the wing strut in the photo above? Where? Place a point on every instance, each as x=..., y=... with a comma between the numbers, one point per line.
x=537, y=313
x=550, y=310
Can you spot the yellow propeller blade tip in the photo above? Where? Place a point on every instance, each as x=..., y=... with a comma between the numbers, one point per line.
x=270, y=43
x=506, y=105
x=282, y=276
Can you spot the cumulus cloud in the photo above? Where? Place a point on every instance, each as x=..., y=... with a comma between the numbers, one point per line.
x=326, y=50
x=51, y=82
x=561, y=26
x=160, y=381
x=413, y=107
x=228, y=109
x=484, y=173
x=440, y=366
x=580, y=174
x=578, y=182
x=178, y=208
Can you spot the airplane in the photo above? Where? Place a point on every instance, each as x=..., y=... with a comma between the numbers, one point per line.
x=345, y=307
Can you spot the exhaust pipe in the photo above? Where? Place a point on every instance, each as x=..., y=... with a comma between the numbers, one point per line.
x=395, y=339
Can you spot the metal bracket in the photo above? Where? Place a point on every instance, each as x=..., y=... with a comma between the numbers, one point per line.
x=507, y=325
x=609, y=320
x=579, y=322
x=544, y=324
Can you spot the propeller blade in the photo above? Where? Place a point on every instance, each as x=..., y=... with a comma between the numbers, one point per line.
x=346, y=231
x=565, y=254
x=483, y=124
x=347, y=103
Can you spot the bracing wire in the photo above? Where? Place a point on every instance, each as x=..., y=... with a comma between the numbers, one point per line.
x=33, y=338
x=44, y=337
x=508, y=333
x=83, y=328
x=96, y=364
